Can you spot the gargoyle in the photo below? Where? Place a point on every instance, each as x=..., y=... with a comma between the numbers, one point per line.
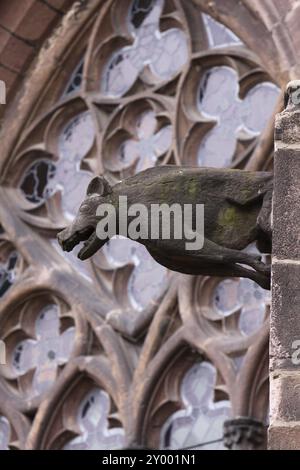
x=237, y=212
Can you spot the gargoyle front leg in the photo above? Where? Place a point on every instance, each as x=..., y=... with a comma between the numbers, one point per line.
x=230, y=256
x=216, y=254
x=236, y=262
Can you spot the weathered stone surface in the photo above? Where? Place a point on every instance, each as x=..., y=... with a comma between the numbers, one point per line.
x=285, y=319
x=284, y=7
x=284, y=389
x=292, y=19
x=244, y=434
x=284, y=431
x=284, y=436
x=287, y=128
x=286, y=204
x=287, y=364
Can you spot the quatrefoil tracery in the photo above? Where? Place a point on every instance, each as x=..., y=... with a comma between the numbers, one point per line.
x=46, y=353
x=235, y=118
x=165, y=53
x=93, y=423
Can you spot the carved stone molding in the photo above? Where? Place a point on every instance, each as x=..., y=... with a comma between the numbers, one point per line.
x=244, y=434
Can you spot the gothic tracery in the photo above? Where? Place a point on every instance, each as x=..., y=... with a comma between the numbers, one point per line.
x=120, y=326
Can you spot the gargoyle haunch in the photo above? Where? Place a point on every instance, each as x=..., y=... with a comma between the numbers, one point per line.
x=237, y=212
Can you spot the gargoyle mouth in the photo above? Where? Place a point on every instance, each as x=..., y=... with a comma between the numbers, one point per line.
x=91, y=242
x=68, y=244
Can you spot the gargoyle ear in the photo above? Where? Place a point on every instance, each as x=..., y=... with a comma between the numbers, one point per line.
x=100, y=186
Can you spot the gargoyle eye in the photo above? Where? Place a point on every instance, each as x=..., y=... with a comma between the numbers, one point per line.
x=85, y=208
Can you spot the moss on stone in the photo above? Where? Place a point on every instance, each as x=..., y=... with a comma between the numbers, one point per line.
x=228, y=217
x=193, y=188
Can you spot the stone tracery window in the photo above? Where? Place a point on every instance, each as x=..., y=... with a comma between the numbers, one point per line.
x=147, y=279
x=92, y=418
x=202, y=420
x=146, y=91
x=235, y=118
x=45, y=353
x=164, y=53
x=147, y=144
x=244, y=297
x=39, y=338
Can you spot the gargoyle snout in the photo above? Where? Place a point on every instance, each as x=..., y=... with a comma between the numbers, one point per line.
x=61, y=237
x=72, y=236
x=67, y=238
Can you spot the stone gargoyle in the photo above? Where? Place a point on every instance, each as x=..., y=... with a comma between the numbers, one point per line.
x=237, y=212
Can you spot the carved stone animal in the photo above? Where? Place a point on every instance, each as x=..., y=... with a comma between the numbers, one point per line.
x=237, y=212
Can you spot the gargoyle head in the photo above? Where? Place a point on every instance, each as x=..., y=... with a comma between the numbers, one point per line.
x=83, y=228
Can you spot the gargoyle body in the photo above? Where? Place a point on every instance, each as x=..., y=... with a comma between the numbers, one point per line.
x=237, y=212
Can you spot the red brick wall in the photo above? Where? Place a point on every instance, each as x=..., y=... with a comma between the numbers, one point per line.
x=24, y=26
